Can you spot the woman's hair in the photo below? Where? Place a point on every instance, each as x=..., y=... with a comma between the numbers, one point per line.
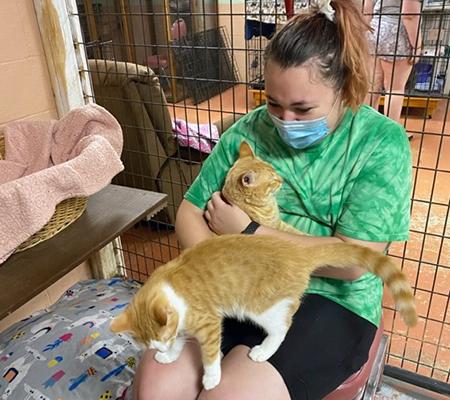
x=339, y=48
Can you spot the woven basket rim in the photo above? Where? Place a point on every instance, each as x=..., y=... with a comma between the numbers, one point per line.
x=66, y=212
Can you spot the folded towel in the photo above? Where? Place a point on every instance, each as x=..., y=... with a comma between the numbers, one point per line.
x=201, y=137
x=47, y=162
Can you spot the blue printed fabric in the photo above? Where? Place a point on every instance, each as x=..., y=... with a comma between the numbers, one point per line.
x=68, y=352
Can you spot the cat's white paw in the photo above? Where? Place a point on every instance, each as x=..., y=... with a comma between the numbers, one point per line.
x=165, y=358
x=211, y=380
x=259, y=353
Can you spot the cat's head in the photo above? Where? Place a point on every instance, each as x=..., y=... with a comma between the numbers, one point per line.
x=250, y=180
x=149, y=319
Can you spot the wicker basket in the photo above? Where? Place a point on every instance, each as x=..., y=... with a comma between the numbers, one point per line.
x=66, y=212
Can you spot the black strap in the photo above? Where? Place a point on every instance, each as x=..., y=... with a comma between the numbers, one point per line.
x=251, y=228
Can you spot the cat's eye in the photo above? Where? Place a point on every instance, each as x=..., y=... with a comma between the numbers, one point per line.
x=248, y=178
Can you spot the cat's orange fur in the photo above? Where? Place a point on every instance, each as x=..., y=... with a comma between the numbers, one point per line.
x=244, y=276
x=252, y=184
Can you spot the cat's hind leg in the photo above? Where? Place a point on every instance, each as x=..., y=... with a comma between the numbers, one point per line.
x=275, y=321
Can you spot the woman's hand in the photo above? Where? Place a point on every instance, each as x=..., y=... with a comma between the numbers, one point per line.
x=224, y=218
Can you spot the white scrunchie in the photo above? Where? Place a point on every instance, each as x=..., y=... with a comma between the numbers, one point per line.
x=323, y=7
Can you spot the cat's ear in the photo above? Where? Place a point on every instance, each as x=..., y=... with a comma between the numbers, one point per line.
x=120, y=323
x=245, y=150
x=167, y=319
x=248, y=179
x=163, y=313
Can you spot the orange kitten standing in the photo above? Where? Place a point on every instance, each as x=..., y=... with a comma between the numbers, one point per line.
x=260, y=278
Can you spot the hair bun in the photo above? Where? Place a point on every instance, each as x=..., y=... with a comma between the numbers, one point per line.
x=323, y=7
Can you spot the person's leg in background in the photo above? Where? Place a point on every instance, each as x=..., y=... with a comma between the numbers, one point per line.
x=376, y=84
x=395, y=75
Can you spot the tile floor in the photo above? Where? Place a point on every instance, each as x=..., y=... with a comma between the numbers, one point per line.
x=393, y=389
x=425, y=257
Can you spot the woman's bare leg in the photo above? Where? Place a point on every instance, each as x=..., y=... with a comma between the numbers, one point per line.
x=180, y=380
x=376, y=83
x=395, y=77
x=244, y=379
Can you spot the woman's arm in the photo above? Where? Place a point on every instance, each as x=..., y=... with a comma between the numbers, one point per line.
x=190, y=225
x=412, y=23
x=225, y=218
x=347, y=274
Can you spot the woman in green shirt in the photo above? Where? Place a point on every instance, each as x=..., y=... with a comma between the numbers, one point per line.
x=347, y=177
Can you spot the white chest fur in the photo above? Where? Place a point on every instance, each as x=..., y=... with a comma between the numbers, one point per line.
x=177, y=302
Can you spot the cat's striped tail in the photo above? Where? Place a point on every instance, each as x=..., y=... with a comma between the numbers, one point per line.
x=339, y=255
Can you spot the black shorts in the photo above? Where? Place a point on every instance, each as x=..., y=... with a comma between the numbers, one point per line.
x=324, y=346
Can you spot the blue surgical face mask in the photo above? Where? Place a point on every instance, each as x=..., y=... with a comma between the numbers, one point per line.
x=302, y=134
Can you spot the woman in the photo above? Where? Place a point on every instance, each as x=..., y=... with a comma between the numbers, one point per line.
x=347, y=173
x=395, y=41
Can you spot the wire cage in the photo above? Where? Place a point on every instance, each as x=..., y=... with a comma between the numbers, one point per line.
x=200, y=65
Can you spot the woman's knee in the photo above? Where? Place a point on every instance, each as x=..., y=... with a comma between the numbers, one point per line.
x=219, y=393
x=155, y=381
x=149, y=379
x=244, y=379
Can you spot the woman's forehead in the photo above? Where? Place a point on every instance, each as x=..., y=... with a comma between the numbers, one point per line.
x=299, y=85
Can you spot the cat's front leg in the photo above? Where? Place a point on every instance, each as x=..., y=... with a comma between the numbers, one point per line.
x=212, y=374
x=173, y=353
x=209, y=339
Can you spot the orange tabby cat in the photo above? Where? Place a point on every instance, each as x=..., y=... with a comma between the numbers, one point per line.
x=251, y=184
x=260, y=278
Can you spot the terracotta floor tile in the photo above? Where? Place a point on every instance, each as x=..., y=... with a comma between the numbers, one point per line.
x=428, y=354
x=418, y=331
x=441, y=375
x=438, y=307
x=433, y=330
x=426, y=274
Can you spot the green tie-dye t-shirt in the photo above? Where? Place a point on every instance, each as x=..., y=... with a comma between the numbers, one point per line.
x=356, y=182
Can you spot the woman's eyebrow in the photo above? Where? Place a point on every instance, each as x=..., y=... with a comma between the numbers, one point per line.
x=296, y=104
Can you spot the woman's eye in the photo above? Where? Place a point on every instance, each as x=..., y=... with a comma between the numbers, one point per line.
x=302, y=110
x=273, y=105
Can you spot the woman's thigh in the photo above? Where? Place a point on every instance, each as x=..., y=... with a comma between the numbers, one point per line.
x=324, y=346
x=180, y=380
x=244, y=379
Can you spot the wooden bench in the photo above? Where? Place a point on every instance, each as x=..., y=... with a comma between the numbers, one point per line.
x=427, y=103
x=109, y=213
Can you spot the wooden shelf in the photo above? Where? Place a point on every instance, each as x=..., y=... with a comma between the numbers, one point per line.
x=109, y=213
